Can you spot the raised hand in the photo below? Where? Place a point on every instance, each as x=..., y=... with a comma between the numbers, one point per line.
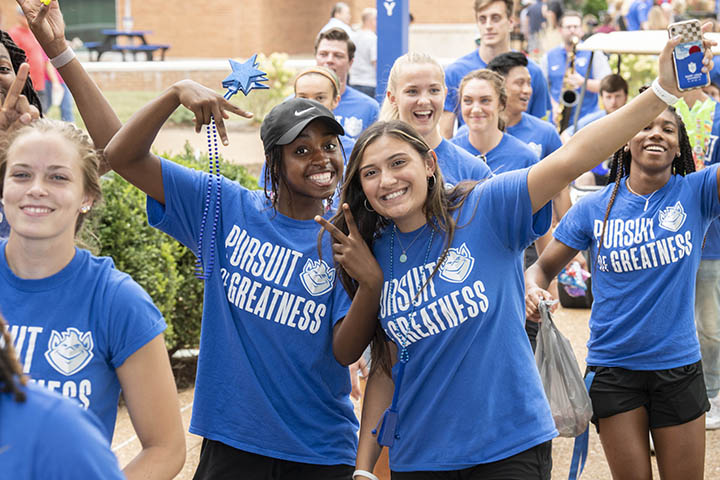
x=351, y=251
x=207, y=104
x=47, y=24
x=16, y=110
x=666, y=70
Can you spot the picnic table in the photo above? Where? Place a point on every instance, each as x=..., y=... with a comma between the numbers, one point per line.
x=137, y=44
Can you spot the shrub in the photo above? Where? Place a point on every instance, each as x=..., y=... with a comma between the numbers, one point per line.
x=160, y=264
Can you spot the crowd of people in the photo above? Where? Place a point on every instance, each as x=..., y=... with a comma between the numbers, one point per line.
x=427, y=229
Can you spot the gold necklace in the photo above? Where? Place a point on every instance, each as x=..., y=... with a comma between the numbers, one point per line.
x=647, y=199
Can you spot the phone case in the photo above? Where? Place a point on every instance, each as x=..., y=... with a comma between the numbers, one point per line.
x=688, y=56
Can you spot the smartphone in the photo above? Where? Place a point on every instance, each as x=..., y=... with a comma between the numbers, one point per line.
x=688, y=56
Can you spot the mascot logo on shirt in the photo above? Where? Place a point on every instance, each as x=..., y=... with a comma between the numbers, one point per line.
x=68, y=352
x=353, y=126
x=317, y=277
x=672, y=218
x=535, y=148
x=457, y=265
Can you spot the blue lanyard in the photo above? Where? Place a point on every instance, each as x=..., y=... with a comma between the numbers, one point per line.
x=386, y=430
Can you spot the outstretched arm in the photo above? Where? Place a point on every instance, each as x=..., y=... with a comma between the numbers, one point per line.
x=600, y=139
x=129, y=151
x=48, y=26
x=353, y=333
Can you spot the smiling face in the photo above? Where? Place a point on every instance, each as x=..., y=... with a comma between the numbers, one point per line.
x=419, y=95
x=494, y=24
x=480, y=105
x=334, y=55
x=519, y=89
x=43, y=187
x=394, y=178
x=654, y=147
x=311, y=164
x=316, y=87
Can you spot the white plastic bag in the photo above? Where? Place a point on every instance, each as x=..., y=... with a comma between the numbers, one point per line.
x=561, y=378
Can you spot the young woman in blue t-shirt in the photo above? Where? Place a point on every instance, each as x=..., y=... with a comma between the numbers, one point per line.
x=482, y=101
x=415, y=94
x=271, y=401
x=645, y=233
x=448, y=281
x=43, y=435
x=102, y=333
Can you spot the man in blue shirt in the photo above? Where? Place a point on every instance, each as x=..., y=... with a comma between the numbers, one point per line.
x=356, y=111
x=637, y=16
x=494, y=21
x=613, y=93
x=555, y=63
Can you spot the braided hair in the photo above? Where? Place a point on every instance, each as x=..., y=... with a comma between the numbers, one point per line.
x=11, y=377
x=682, y=165
x=17, y=57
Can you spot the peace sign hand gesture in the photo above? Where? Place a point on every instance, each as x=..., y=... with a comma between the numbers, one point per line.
x=15, y=108
x=352, y=252
x=47, y=24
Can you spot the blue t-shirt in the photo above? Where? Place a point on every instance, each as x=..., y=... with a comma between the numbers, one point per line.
x=267, y=380
x=457, y=165
x=471, y=393
x=556, y=60
x=644, y=283
x=539, y=105
x=48, y=437
x=539, y=135
x=4, y=225
x=355, y=112
x=637, y=14
x=509, y=154
x=711, y=250
x=73, y=329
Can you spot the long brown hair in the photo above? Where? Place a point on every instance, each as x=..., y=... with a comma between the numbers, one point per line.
x=440, y=207
x=11, y=376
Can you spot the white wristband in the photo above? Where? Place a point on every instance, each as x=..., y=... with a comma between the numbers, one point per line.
x=63, y=59
x=365, y=474
x=663, y=94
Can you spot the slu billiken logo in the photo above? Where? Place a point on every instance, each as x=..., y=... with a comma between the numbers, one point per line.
x=672, y=218
x=70, y=351
x=317, y=277
x=457, y=265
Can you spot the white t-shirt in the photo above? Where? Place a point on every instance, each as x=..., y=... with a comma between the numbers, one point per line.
x=363, y=71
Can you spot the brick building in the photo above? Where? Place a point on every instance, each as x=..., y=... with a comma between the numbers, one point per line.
x=232, y=28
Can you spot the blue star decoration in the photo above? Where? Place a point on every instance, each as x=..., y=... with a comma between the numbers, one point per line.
x=244, y=77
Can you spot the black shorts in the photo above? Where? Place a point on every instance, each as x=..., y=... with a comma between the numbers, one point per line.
x=219, y=461
x=533, y=464
x=671, y=397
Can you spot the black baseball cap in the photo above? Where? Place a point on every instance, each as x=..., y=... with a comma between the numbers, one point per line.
x=285, y=122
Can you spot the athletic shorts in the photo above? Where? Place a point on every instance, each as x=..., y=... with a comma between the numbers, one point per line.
x=533, y=464
x=219, y=462
x=671, y=397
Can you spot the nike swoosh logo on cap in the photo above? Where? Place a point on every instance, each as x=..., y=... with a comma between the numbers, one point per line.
x=303, y=112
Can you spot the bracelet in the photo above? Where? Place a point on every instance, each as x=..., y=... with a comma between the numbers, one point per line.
x=663, y=94
x=63, y=59
x=364, y=473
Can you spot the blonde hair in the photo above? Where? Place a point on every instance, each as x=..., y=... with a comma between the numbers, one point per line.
x=89, y=157
x=323, y=71
x=496, y=81
x=388, y=111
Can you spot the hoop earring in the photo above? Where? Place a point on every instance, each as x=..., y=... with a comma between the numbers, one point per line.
x=367, y=207
x=431, y=185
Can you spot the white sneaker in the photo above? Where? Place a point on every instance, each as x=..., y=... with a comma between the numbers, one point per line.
x=712, y=417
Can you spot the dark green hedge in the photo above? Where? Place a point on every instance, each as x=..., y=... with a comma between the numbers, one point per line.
x=163, y=267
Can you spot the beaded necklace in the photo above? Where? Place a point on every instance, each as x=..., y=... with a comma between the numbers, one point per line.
x=244, y=78
x=386, y=430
